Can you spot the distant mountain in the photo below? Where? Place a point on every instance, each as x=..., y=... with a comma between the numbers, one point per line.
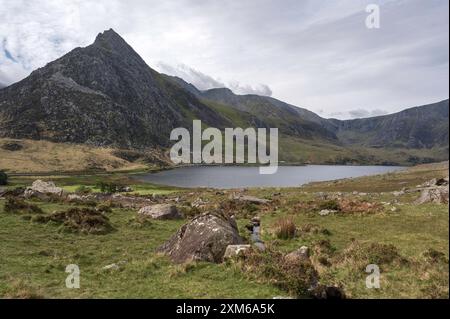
x=106, y=95
x=103, y=94
x=418, y=127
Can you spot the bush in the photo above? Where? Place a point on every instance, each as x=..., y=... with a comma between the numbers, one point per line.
x=14, y=205
x=83, y=189
x=108, y=187
x=330, y=205
x=3, y=178
x=293, y=276
x=285, y=228
x=83, y=220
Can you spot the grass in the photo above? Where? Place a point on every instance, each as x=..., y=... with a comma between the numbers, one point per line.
x=33, y=256
x=39, y=260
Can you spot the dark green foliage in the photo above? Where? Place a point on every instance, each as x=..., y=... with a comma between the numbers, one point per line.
x=330, y=204
x=3, y=178
x=15, y=205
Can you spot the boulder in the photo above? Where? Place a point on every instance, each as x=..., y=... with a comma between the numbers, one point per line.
x=251, y=199
x=300, y=254
x=160, y=211
x=204, y=238
x=235, y=250
x=325, y=212
x=438, y=195
x=41, y=187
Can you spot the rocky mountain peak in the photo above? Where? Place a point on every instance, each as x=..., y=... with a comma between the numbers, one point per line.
x=112, y=41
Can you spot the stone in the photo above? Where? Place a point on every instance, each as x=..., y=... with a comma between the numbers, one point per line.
x=160, y=211
x=74, y=197
x=111, y=267
x=398, y=193
x=326, y=212
x=204, y=238
x=300, y=254
x=235, y=250
x=251, y=199
x=41, y=187
x=438, y=195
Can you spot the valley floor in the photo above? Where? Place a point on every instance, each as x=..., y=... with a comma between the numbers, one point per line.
x=376, y=221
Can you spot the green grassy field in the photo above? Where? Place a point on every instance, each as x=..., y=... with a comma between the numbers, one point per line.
x=33, y=256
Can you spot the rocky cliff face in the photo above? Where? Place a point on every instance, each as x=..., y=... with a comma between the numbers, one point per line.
x=103, y=94
x=419, y=127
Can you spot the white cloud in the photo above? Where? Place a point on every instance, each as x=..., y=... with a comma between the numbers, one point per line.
x=315, y=54
x=205, y=82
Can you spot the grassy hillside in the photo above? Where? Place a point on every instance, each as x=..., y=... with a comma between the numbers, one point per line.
x=28, y=156
x=410, y=243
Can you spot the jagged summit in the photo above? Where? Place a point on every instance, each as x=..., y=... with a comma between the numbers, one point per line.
x=112, y=41
x=103, y=94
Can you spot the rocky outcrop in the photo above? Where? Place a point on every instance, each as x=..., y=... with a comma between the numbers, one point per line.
x=160, y=211
x=434, y=191
x=40, y=187
x=205, y=238
x=437, y=195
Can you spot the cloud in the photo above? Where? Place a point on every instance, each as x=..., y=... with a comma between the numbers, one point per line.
x=316, y=54
x=356, y=113
x=205, y=82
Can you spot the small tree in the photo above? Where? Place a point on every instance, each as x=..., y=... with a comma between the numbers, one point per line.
x=3, y=178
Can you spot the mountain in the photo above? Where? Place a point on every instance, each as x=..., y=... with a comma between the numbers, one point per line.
x=418, y=127
x=106, y=95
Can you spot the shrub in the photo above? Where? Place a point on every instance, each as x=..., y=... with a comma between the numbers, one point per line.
x=285, y=228
x=3, y=178
x=294, y=276
x=83, y=220
x=83, y=189
x=15, y=205
x=330, y=205
x=108, y=187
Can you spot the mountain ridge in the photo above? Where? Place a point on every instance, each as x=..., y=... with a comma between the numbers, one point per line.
x=106, y=95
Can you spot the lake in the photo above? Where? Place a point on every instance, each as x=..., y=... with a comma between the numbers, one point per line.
x=244, y=176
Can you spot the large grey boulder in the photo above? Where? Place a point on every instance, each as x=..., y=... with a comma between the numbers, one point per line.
x=438, y=195
x=41, y=187
x=160, y=211
x=205, y=238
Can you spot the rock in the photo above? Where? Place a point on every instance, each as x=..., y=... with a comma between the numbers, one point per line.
x=160, y=211
x=259, y=245
x=205, y=238
x=41, y=187
x=325, y=212
x=398, y=193
x=114, y=266
x=74, y=197
x=235, y=250
x=442, y=182
x=327, y=292
x=251, y=199
x=111, y=267
x=438, y=195
x=300, y=254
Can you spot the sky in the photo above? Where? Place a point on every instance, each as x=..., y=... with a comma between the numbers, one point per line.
x=316, y=54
